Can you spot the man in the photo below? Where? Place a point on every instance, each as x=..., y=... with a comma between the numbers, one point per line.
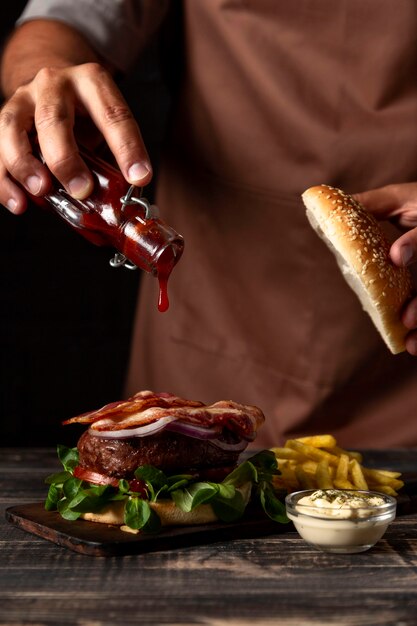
x=273, y=98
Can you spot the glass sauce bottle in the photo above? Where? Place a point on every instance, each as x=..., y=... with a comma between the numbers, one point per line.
x=115, y=215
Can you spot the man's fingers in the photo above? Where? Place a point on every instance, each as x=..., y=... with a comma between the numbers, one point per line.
x=48, y=105
x=112, y=116
x=54, y=121
x=409, y=316
x=411, y=343
x=393, y=202
x=381, y=202
x=16, y=120
x=404, y=249
x=11, y=196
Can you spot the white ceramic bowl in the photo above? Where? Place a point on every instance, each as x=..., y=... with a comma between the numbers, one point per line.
x=333, y=530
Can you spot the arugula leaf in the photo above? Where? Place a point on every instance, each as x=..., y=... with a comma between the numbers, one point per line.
x=58, y=478
x=227, y=502
x=137, y=513
x=154, y=478
x=193, y=495
x=140, y=516
x=92, y=499
x=226, y=492
x=53, y=497
x=267, y=468
x=272, y=505
x=229, y=509
x=124, y=486
x=177, y=481
x=261, y=466
x=68, y=457
x=266, y=461
x=71, y=487
x=157, y=482
x=66, y=511
x=153, y=524
x=260, y=470
x=244, y=473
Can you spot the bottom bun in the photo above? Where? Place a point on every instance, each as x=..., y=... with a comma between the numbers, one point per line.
x=167, y=511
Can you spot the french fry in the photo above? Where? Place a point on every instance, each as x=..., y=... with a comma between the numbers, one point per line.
x=388, y=473
x=319, y=441
x=343, y=484
x=387, y=490
x=289, y=477
x=323, y=478
x=383, y=477
x=350, y=453
x=310, y=452
x=317, y=462
x=305, y=480
x=342, y=468
x=309, y=466
x=395, y=483
x=286, y=453
x=358, y=478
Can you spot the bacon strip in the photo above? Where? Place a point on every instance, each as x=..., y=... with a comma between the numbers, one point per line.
x=134, y=405
x=146, y=407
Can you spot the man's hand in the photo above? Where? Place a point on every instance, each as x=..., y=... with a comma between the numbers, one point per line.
x=52, y=92
x=398, y=203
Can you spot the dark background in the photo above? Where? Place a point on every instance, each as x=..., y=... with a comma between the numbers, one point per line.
x=65, y=314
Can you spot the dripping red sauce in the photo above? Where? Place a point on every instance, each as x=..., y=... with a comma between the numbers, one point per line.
x=165, y=265
x=163, y=300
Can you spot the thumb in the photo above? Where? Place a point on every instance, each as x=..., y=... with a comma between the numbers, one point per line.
x=383, y=202
x=404, y=249
x=397, y=203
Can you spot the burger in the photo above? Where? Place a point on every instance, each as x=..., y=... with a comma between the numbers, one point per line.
x=362, y=251
x=156, y=460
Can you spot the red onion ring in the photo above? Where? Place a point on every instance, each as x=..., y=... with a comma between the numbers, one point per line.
x=140, y=431
x=230, y=447
x=194, y=430
x=174, y=425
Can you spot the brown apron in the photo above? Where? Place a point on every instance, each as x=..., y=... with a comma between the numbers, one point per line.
x=278, y=96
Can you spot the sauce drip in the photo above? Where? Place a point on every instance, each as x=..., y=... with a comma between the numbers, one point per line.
x=163, y=300
x=165, y=265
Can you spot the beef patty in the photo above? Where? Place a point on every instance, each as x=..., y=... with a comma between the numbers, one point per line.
x=169, y=451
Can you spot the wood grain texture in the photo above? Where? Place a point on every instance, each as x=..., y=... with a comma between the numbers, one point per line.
x=94, y=539
x=277, y=579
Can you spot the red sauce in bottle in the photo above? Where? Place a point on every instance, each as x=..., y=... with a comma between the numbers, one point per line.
x=131, y=227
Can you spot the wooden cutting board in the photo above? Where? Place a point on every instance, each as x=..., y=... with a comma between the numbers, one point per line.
x=105, y=540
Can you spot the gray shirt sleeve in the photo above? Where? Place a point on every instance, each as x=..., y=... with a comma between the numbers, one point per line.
x=117, y=29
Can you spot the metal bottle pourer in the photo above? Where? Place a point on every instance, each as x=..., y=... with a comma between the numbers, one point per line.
x=151, y=212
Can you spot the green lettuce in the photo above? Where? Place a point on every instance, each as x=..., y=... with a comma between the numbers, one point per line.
x=252, y=481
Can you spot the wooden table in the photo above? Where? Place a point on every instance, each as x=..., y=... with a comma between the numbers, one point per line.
x=276, y=579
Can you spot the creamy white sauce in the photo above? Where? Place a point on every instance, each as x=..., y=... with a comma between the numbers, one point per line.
x=340, y=520
x=339, y=504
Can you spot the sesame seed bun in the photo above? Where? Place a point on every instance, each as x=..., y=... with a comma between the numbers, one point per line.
x=362, y=249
